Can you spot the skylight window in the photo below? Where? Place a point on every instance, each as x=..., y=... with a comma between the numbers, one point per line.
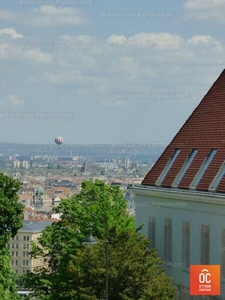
x=217, y=178
x=168, y=166
x=203, y=168
x=185, y=167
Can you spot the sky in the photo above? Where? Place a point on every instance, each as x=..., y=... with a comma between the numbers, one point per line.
x=102, y=72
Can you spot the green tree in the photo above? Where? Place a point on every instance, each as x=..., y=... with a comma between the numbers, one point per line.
x=10, y=222
x=75, y=271
x=135, y=272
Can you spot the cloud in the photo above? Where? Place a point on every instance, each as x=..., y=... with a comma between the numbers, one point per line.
x=80, y=39
x=121, y=65
x=11, y=101
x=145, y=39
x=12, y=32
x=62, y=77
x=14, y=100
x=205, y=41
x=37, y=56
x=46, y=15
x=7, y=15
x=132, y=64
x=19, y=53
x=205, y=9
x=113, y=82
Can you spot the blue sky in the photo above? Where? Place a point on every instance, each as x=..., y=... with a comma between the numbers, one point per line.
x=100, y=71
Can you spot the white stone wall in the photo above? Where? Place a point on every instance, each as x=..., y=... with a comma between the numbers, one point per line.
x=196, y=208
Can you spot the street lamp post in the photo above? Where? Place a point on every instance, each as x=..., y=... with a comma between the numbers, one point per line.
x=90, y=240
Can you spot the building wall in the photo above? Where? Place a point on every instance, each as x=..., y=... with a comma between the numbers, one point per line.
x=196, y=208
x=20, y=246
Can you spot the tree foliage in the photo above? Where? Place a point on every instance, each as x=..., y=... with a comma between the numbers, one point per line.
x=74, y=271
x=135, y=271
x=10, y=222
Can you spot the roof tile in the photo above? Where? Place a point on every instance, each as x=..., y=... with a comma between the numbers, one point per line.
x=204, y=130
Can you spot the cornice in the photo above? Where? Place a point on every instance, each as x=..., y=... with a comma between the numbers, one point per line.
x=178, y=194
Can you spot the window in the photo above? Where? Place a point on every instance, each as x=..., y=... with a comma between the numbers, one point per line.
x=12, y=262
x=12, y=253
x=217, y=178
x=12, y=245
x=16, y=262
x=203, y=167
x=25, y=254
x=151, y=231
x=185, y=167
x=26, y=263
x=168, y=240
x=205, y=245
x=26, y=238
x=17, y=246
x=186, y=244
x=16, y=253
x=167, y=167
x=25, y=246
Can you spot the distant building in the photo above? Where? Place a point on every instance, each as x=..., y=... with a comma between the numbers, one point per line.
x=56, y=200
x=16, y=164
x=29, y=213
x=83, y=169
x=127, y=162
x=20, y=246
x=75, y=158
x=64, y=158
x=25, y=157
x=38, y=200
x=25, y=164
x=64, y=183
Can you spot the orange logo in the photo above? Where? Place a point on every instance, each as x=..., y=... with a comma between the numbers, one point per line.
x=205, y=280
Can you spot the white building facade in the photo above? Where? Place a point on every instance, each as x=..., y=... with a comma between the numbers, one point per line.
x=181, y=200
x=187, y=228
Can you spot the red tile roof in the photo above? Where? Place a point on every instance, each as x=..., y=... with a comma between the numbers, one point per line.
x=204, y=130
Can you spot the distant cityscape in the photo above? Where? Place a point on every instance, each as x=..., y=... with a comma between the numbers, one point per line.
x=50, y=173
x=139, y=151
x=59, y=170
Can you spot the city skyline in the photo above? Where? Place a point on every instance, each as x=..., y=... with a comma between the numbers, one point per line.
x=103, y=72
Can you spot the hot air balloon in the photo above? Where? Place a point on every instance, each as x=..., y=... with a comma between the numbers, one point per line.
x=59, y=140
